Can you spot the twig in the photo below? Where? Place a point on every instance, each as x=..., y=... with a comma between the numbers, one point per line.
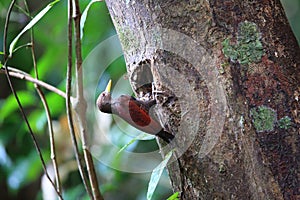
x=81, y=106
x=68, y=100
x=47, y=111
x=13, y=72
x=51, y=137
x=29, y=128
x=22, y=46
x=17, y=98
x=6, y=28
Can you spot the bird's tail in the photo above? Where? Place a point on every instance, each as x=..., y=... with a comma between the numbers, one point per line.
x=167, y=137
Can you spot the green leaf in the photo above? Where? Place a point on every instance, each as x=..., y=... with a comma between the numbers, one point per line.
x=76, y=191
x=30, y=25
x=1, y=53
x=37, y=120
x=84, y=15
x=143, y=136
x=10, y=104
x=174, y=196
x=156, y=174
x=46, y=60
x=56, y=104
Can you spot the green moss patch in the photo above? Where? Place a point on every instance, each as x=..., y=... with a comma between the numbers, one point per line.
x=264, y=118
x=248, y=48
x=284, y=122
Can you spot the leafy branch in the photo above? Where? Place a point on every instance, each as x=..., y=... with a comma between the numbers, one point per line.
x=79, y=101
x=6, y=58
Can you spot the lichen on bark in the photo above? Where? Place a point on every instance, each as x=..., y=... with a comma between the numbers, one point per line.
x=264, y=118
x=248, y=47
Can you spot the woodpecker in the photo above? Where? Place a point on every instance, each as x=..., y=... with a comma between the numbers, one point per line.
x=133, y=111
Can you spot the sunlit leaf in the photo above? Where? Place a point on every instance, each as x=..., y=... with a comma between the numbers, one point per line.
x=174, y=196
x=142, y=136
x=30, y=25
x=84, y=15
x=156, y=174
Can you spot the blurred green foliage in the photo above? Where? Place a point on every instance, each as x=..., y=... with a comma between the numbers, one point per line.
x=20, y=167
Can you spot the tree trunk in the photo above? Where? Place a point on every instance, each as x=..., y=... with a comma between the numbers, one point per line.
x=226, y=77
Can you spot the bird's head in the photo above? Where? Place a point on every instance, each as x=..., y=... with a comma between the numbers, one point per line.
x=104, y=100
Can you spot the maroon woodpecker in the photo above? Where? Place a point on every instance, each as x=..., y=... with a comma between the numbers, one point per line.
x=133, y=111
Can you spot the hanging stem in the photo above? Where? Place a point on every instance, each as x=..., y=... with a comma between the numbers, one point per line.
x=47, y=110
x=80, y=106
x=68, y=100
x=48, y=114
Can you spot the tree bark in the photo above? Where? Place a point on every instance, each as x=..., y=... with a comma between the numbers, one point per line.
x=226, y=76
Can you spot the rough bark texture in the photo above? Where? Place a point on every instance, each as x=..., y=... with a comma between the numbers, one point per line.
x=242, y=62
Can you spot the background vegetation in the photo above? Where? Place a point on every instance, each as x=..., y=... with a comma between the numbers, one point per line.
x=20, y=168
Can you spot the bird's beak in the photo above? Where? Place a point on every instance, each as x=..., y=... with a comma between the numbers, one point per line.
x=108, y=87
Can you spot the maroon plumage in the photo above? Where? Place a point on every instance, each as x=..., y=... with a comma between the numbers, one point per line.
x=138, y=115
x=133, y=111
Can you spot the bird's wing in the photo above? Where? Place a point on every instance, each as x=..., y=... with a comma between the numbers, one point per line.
x=138, y=113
